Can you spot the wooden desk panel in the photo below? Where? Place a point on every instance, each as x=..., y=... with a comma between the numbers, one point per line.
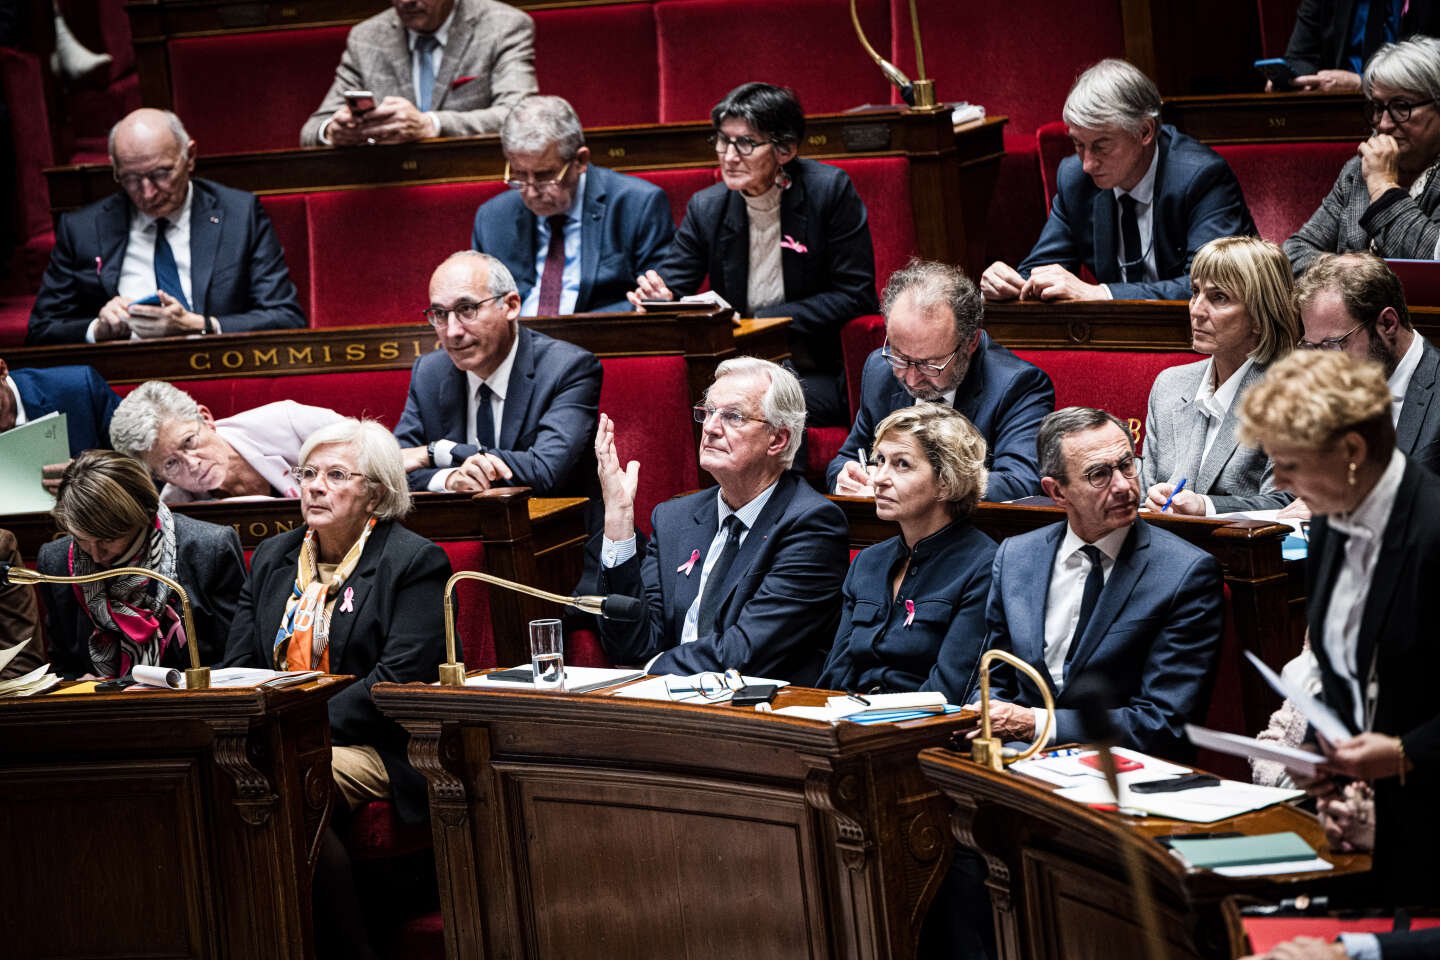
x=563, y=821
x=164, y=823
x=1269, y=117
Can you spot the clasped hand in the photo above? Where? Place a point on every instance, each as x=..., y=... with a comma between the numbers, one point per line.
x=393, y=120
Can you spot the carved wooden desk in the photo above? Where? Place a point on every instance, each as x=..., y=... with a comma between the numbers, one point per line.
x=163, y=824
x=588, y=826
x=1058, y=884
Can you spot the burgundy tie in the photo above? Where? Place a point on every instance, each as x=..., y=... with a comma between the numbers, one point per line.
x=552, y=280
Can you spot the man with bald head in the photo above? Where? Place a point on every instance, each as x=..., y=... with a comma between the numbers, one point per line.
x=501, y=405
x=167, y=255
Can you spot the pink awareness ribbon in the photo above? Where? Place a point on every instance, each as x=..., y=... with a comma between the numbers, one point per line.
x=688, y=565
x=348, y=605
x=790, y=243
x=909, y=612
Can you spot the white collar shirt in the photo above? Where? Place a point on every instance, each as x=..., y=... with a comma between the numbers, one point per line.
x=499, y=384
x=441, y=35
x=20, y=416
x=1144, y=194
x=1404, y=370
x=1215, y=402
x=137, y=271
x=748, y=514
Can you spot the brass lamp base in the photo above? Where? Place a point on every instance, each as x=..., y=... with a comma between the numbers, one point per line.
x=197, y=678
x=924, y=93
x=988, y=753
x=452, y=674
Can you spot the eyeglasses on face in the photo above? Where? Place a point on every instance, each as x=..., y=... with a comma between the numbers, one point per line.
x=1329, y=343
x=1099, y=475
x=1399, y=108
x=466, y=310
x=158, y=178
x=334, y=476
x=177, y=461
x=535, y=183
x=731, y=418
x=928, y=367
x=743, y=145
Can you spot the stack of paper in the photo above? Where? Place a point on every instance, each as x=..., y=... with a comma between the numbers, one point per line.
x=24, y=451
x=577, y=679
x=36, y=681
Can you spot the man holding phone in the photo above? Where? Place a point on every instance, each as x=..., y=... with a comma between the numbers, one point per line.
x=427, y=68
x=168, y=255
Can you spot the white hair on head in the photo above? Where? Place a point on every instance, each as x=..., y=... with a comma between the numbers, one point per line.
x=538, y=121
x=1412, y=65
x=135, y=426
x=782, y=406
x=1113, y=93
x=377, y=456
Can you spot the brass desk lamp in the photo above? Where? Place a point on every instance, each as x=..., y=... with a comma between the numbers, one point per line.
x=989, y=751
x=920, y=94
x=197, y=677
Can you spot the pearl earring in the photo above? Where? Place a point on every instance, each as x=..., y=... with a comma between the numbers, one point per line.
x=1351, y=478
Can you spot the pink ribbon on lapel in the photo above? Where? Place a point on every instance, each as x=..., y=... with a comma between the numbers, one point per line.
x=348, y=605
x=790, y=243
x=688, y=565
x=909, y=612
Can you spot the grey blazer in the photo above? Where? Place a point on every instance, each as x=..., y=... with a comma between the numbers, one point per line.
x=488, y=67
x=1234, y=476
x=1394, y=227
x=1418, y=432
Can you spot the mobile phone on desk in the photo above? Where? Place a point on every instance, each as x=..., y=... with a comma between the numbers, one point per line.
x=753, y=693
x=514, y=675
x=1278, y=72
x=360, y=102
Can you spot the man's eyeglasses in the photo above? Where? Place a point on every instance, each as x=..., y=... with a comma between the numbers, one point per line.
x=1099, y=475
x=535, y=183
x=1399, y=109
x=1330, y=343
x=158, y=178
x=466, y=310
x=743, y=145
x=711, y=687
x=928, y=367
x=732, y=419
x=334, y=476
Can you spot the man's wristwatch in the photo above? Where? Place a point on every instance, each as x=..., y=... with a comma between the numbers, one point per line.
x=430, y=452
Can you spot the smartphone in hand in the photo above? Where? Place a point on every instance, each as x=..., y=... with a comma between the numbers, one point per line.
x=360, y=102
x=1278, y=72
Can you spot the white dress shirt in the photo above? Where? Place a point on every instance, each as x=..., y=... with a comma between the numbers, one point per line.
x=436, y=56
x=1062, y=603
x=1400, y=379
x=1144, y=194
x=570, y=292
x=137, y=270
x=20, y=417
x=1215, y=402
x=766, y=277
x=499, y=384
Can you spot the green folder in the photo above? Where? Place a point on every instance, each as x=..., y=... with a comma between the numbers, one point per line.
x=1259, y=848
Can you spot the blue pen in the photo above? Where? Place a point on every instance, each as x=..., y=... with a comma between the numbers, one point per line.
x=1173, y=494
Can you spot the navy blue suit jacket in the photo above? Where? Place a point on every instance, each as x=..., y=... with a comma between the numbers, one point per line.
x=1002, y=395
x=395, y=633
x=781, y=595
x=625, y=229
x=78, y=392
x=1154, y=634
x=948, y=581
x=1197, y=199
x=237, y=269
x=546, y=435
x=831, y=282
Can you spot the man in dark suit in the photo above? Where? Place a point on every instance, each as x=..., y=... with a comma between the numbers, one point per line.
x=78, y=392
x=207, y=252
x=1133, y=206
x=611, y=227
x=1133, y=604
x=935, y=351
x=1354, y=302
x=746, y=576
x=502, y=404
x=1333, y=39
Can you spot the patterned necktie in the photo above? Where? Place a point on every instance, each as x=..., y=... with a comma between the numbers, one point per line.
x=714, y=583
x=1094, y=583
x=552, y=280
x=167, y=274
x=425, y=45
x=1133, y=269
x=484, y=418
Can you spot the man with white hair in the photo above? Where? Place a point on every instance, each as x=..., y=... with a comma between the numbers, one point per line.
x=746, y=576
x=1133, y=205
x=574, y=235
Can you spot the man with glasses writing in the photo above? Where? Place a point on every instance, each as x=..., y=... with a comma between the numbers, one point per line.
x=1387, y=198
x=746, y=576
x=573, y=235
x=502, y=404
x=935, y=351
x=167, y=256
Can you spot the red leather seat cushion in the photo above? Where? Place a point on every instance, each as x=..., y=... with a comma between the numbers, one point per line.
x=884, y=185
x=649, y=400
x=1053, y=142
x=858, y=339
x=472, y=599
x=378, y=394
x=582, y=649
x=14, y=319
x=708, y=47
x=1112, y=380
x=375, y=832
x=612, y=82
x=681, y=185
x=821, y=446
x=1227, y=709
x=252, y=91
x=1266, y=933
x=290, y=216
x=372, y=251
x=1285, y=182
x=24, y=92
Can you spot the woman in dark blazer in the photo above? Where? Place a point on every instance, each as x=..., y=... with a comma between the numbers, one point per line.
x=914, y=606
x=780, y=237
x=1324, y=419
x=112, y=516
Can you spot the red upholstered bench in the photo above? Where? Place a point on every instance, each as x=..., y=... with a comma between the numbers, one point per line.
x=649, y=400
x=1266, y=932
x=1285, y=182
x=610, y=82
x=1113, y=380
x=290, y=216
x=378, y=394
x=252, y=91
x=14, y=319
x=681, y=185
x=22, y=86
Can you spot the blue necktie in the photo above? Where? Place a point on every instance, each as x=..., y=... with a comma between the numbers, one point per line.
x=167, y=275
x=425, y=45
x=715, y=582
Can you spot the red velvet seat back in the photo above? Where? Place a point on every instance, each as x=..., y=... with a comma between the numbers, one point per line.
x=1227, y=708
x=372, y=251
x=609, y=82
x=1053, y=141
x=649, y=400
x=378, y=394
x=24, y=92
x=709, y=47
x=884, y=185
x=252, y=91
x=472, y=598
x=681, y=185
x=857, y=339
x=290, y=216
x=1116, y=381
x=1285, y=182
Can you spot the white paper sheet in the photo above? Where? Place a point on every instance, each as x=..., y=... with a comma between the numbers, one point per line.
x=654, y=688
x=1291, y=758
x=1321, y=717
x=577, y=680
x=9, y=653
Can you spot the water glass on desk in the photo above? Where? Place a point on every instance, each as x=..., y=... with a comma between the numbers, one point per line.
x=547, y=654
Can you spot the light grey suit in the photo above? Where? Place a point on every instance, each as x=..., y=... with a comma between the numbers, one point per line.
x=1233, y=475
x=1418, y=432
x=1394, y=227
x=487, y=67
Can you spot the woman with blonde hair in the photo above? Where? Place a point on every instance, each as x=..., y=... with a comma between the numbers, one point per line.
x=913, y=615
x=1243, y=316
x=1324, y=419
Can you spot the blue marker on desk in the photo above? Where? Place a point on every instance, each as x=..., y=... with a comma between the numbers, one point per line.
x=1173, y=494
